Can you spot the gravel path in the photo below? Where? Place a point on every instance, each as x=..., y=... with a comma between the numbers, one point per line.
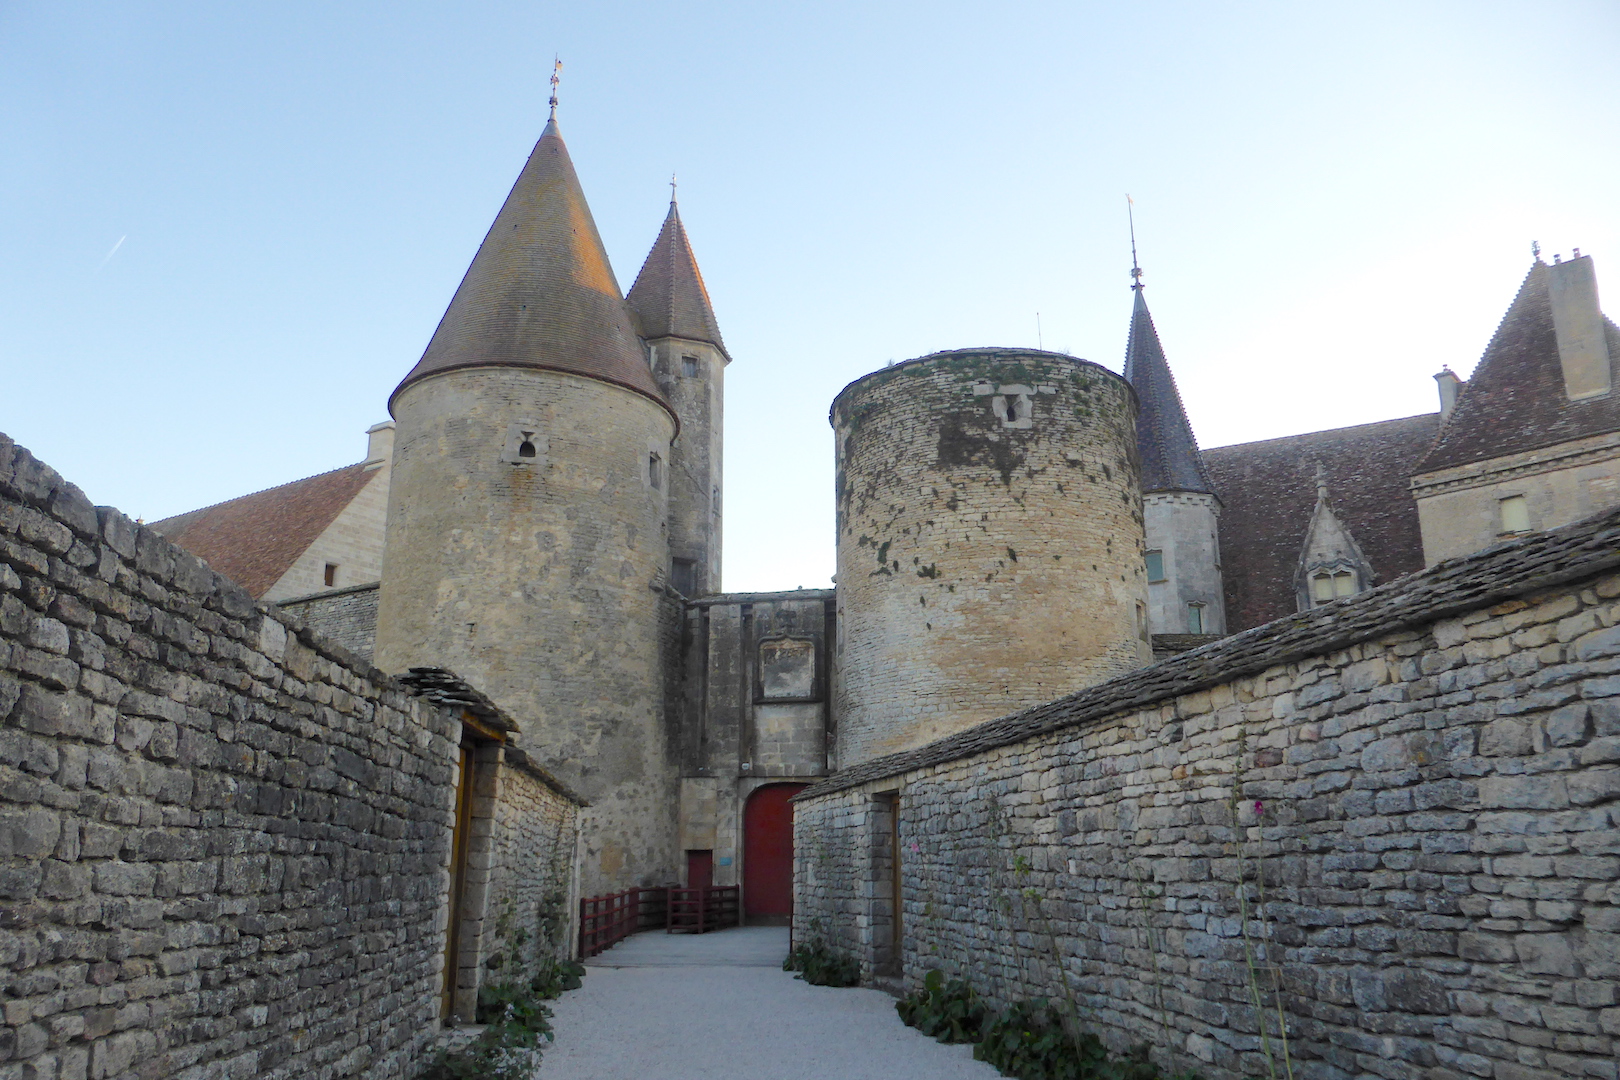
x=719, y=1007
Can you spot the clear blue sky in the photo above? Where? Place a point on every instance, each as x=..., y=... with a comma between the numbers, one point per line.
x=1332, y=201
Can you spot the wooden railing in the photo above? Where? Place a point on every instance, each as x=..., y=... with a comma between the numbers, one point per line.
x=697, y=911
x=604, y=921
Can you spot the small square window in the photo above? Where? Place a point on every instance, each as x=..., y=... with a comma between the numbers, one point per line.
x=1155, y=565
x=1515, y=514
x=689, y=366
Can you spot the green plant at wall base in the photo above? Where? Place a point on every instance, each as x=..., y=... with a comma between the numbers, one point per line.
x=501, y=1052
x=948, y=1010
x=556, y=976
x=819, y=965
x=1031, y=1041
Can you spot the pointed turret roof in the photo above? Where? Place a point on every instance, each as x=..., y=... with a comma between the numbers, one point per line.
x=668, y=298
x=1516, y=400
x=540, y=292
x=1170, y=457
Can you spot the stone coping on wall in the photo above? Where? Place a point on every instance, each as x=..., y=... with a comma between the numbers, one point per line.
x=761, y=597
x=327, y=594
x=32, y=482
x=1528, y=564
x=450, y=691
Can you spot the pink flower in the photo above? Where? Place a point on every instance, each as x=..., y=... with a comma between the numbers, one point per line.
x=1259, y=808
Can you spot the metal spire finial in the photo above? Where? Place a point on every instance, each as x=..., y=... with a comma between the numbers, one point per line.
x=1136, y=269
x=1535, y=249
x=672, y=180
x=556, y=77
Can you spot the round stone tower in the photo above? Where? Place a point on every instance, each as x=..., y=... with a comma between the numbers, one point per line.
x=989, y=542
x=527, y=546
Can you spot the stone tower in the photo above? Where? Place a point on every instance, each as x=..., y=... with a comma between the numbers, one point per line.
x=989, y=542
x=673, y=313
x=527, y=542
x=1180, y=511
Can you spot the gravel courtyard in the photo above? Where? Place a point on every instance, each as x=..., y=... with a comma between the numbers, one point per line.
x=719, y=1006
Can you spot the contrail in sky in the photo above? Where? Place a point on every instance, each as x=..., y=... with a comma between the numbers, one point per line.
x=113, y=252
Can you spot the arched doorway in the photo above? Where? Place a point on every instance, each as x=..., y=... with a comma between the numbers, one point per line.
x=768, y=854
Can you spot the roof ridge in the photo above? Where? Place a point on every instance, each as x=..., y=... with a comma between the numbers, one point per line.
x=251, y=494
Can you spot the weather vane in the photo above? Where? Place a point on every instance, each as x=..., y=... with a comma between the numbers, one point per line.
x=1136, y=270
x=556, y=77
x=1535, y=249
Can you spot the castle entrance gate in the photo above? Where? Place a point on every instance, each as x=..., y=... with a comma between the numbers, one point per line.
x=768, y=855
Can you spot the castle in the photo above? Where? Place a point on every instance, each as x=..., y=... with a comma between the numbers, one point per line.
x=542, y=517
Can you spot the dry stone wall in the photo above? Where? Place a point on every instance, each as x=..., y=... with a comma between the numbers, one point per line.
x=345, y=617
x=1416, y=792
x=222, y=842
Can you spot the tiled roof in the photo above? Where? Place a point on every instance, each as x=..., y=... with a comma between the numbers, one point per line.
x=1170, y=460
x=540, y=292
x=669, y=298
x=1515, y=400
x=255, y=539
x=1268, y=492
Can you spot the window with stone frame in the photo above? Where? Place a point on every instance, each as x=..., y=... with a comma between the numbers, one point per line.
x=1515, y=514
x=1155, y=566
x=689, y=366
x=1333, y=584
x=1195, y=618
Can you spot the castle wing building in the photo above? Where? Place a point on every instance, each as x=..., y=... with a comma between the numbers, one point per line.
x=1534, y=439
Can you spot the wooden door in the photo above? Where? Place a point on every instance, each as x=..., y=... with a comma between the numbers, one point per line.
x=768, y=854
x=699, y=869
x=458, y=883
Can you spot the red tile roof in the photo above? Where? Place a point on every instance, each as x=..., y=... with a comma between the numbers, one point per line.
x=540, y=293
x=255, y=539
x=1268, y=490
x=1515, y=400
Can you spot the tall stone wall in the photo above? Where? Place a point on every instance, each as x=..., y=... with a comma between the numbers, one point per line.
x=222, y=843
x=989, y=542
x=1416, y=792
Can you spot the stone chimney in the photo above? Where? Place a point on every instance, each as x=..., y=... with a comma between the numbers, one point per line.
x=379, y=444
x=1450, y=386
x=1583, y=349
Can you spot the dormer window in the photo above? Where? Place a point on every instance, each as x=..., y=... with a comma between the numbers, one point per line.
x=689, y=366
x=1515, y=515
x=1329, y=585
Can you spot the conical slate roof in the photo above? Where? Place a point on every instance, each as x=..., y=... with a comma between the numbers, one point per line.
x=1170, y=458
x=668, y=298
x=1515, y=400
x=540, y=292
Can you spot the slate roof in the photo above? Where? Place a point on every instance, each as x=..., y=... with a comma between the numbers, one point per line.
x=255, y=539
x=1170, y=459
x=1268, y=493
x=1539, y=561
x=1515, y=400
x=540, y=292
x=669, y=298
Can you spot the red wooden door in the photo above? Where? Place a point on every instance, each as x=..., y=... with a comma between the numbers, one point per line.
x=768, y=853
